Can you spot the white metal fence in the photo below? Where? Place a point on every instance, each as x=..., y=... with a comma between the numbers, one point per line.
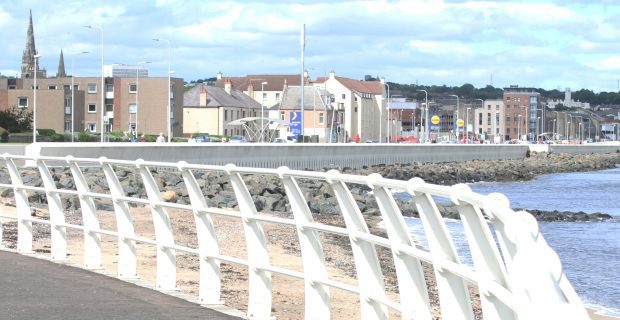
x=517, y=275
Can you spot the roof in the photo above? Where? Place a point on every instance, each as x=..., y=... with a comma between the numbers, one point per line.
x=291, y=99
x=275, y=82
x=218, y=97
x=374, y=87
x=241, y=121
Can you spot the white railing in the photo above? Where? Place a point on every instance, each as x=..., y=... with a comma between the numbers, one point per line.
x=517, y=275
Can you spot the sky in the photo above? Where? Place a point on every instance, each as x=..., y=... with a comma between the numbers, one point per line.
x=546, y=44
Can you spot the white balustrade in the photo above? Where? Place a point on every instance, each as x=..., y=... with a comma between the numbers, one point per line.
x=518, y=275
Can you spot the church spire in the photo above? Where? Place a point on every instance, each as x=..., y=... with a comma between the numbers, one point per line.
x=28, y=60
x=61, y=67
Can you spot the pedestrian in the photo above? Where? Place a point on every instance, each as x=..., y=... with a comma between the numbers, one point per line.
x=161, y=138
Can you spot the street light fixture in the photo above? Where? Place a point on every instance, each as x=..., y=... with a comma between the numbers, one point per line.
x=262, y=111
x=102, y=81
x=34, y=103
x=138, y=90
x=72, y=94
x=169, y=73
x=425, y=115
x=457, y=116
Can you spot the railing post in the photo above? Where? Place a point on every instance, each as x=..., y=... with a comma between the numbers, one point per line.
x=209, y=290
x=260, y=296
x=166, y=256
x=369, y=274
x=453, y=292
x=409, y=272
x=57, y=216
x=24, y=226
x=486, y=257
x=317, y=296
x=126, y=247
x=92, y=240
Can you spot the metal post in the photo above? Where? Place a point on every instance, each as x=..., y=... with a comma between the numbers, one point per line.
x=34, y=103
x=426, y=107
x=262, y=110
x=457, y=116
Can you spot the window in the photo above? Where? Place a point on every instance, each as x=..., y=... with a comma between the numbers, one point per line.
x=22, y=102
x=497, y=107
x=321, y=118
x=51, y=87
x=278, y=96
x=489, y=107
x=264, y=95
x=225, y=116
x=480, y=118
x=92, y=127
x=507, y=99
x=243, y=114
x=92, y=108
x=92, y=88
x=355, y=98
x=488, y=119
x=508, y=119
x=281, y=115
x=66, y=87
x=109, y=88
x=133, y=108
x=133, y=88
x=355, y=109
x=507, y=131
x=225, y=132
x=109, y=108
x=68, y=125
x=344, y=96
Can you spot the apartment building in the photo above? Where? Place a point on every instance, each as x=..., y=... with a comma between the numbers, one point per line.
x=490, y=121
x=523, y=113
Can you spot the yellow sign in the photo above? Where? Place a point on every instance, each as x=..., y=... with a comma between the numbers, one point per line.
x=435, y=120
x=460, y=122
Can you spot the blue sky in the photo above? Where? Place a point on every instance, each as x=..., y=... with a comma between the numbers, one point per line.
x=548, y=44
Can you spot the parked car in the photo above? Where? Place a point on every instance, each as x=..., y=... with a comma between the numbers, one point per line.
x=288, y=139
x=202, y=138
x=237, y=139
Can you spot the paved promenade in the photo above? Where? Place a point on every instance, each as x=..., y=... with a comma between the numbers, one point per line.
x=32, y=288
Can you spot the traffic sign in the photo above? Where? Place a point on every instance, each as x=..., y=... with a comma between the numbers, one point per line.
x=435, y=120
x=460, y=122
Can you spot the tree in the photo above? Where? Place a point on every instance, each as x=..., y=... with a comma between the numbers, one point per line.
x=16, y=119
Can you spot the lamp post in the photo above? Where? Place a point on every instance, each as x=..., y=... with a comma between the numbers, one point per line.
x=554, y=128
x=568, y=128
x=467, y=125
x=169, y=73
x=537, y=129
x=457, y=116
x=102, y=81
x=425, y=114
x=72, y=95
x=388, y=110
x=34, y=102
x=138, y=90
x=519, y=128
x=262, y=110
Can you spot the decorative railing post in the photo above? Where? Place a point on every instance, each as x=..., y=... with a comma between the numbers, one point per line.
x=57, y=216
x=166, y=256
x=127, y=258
x=24, y=224
x=92, y=240
x=260, y=295
x=209, y=291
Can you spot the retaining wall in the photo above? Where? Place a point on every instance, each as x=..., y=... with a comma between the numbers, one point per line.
x=296, y=156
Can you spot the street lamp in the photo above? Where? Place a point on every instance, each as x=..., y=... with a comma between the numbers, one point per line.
x=554, y=129
x=457, y=116
x=467, y=125
x=262, y=110
x=426, y=106
x=34, y=103
x=102, y=81
x=169, y=73
x=72, y=95
x=388, y=110
x=519, y=129
x=537, y=129
x=138, y=90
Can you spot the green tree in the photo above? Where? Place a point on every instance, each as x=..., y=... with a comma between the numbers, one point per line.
x=16, y=119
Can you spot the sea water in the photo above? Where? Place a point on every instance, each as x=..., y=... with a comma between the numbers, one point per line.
x=590, y=251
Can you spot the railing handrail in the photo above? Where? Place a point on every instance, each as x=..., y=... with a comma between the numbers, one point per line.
x=517, y=274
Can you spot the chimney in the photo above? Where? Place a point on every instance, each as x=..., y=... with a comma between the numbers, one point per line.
x=305, y=77
x=203, y=97
x=250, y=89
x=218, y=76
x=227, y=86
x=332, y=74
x=382, y=80
x=285, y=85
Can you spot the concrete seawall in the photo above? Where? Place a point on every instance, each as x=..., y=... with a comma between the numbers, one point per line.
x=298, y=156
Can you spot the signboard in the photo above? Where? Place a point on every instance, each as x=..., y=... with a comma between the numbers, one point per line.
x=435, y=120
x=295, y=120
x=460, y=123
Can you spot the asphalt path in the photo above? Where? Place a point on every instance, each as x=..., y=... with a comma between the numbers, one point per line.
x=32, y=288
